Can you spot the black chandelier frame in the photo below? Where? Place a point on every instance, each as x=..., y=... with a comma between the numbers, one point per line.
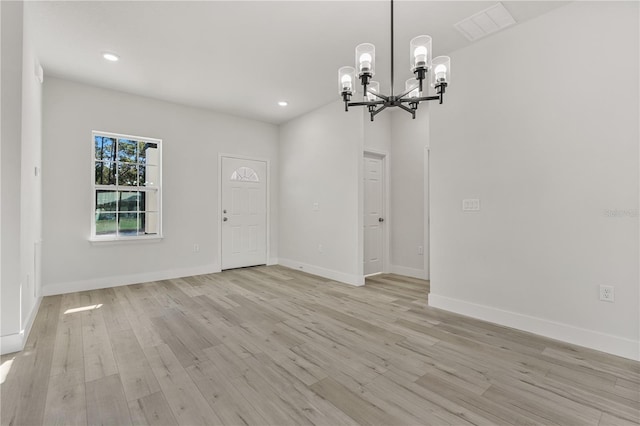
x=376, y=107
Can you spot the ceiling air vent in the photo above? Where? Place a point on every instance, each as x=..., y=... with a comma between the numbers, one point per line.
x=485, y=22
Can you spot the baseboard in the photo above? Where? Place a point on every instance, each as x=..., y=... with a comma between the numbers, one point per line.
x=11, y=343
x=616, y=345
x=15, y=342
x=409, y=272
x=94, y=284
x=342, y=277
x=272, y=261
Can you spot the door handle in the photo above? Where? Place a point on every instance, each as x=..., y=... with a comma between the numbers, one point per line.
x=224, y=219
x=380, y=219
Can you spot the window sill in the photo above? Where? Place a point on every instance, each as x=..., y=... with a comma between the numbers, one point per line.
x=125, y=240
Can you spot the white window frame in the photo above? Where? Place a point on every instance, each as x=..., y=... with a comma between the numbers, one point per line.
x=95, y=187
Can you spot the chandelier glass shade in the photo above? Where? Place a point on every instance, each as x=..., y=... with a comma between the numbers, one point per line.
x=422, y=65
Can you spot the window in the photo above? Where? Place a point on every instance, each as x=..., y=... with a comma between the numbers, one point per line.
x=246, y=174
x=126, y=187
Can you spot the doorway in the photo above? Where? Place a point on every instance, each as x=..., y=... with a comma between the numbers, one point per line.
x=243, y=212
x=374, y=213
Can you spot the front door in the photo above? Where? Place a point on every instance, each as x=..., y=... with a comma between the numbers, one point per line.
x=244, y=213
x=373, y=214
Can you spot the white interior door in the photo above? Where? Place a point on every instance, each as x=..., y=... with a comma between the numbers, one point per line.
x=373, y=214
x=244, y=213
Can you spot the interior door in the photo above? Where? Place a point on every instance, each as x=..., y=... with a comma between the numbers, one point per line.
x=244, y=213
x=373, y=214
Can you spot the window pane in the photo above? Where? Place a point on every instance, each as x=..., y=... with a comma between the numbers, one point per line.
x=128, y=201
x=105, y=173
x=147, y=153
x=149, y=224
x=104, y=148
x=105, y=223
x=127, y=150
x=127, y=174
x=106, y=201
x=128, y=224
x=149, y=175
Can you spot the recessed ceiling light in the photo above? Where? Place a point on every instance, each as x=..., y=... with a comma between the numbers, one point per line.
x=283, y=103
x=111, y=56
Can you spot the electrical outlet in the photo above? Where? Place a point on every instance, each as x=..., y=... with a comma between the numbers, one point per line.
x=607, y=293
x=420, y=250
x=471, y=205
x=320, y=248
x=196, y=248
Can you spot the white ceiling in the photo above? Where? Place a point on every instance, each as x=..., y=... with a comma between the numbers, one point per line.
x=241, y=57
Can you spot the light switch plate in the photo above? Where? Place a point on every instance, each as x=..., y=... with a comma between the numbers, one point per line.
x=470, y=205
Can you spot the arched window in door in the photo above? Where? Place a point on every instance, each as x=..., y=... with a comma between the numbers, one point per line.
x=245, y=174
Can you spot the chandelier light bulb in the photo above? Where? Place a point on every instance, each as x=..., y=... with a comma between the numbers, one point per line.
x=365, y=62
x=366, y=59
x=346, y=82
x=441, y=72
x=420, y=51
x=420, y=55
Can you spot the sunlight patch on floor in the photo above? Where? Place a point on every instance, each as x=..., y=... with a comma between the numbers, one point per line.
x=4, y=369
x=83, y=308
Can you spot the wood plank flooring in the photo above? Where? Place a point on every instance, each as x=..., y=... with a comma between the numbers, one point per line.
x=275, y=346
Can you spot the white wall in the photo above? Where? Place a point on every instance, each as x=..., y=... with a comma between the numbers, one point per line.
x=31, y=184
x=377, y=133
x=541, y=124
x=192, y=139
x=11, y=88
x=321, y=162
x=409, y=138
x=21, y=193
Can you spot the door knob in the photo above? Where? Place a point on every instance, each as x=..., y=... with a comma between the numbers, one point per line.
x=224, y=219
x=380, y=219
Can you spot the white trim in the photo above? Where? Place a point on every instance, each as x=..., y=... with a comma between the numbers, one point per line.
x=157, y=188
x=94, y=284
x=409, y=272
x=609, y=343
x=426, y=240
x=268, y=206
x=272, y=261
x=351, y=279
x=11, y=343
x=15, y=342
x=373, y=275
x=126, y=240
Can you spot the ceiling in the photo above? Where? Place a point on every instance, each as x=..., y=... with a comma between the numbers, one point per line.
x=241, y=57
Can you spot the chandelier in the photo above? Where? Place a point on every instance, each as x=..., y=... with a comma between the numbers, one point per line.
x=421, y=65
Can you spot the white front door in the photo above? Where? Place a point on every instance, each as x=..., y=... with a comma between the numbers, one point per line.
x=243, y=213
x=373, y=214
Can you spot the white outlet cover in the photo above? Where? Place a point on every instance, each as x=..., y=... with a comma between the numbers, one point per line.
x=607, y=293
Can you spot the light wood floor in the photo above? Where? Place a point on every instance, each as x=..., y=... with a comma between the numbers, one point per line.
x=270, y=345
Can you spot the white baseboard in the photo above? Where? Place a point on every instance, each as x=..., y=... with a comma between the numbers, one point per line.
x=11, y=343
x=272, y=261
x=342, y=277
x=15, y=342
x=409, y=272
x=94, y=284
x=616, y=345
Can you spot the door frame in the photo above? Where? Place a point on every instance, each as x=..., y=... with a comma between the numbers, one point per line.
x=427, y=215
x=268, y=206
x=386, y=209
